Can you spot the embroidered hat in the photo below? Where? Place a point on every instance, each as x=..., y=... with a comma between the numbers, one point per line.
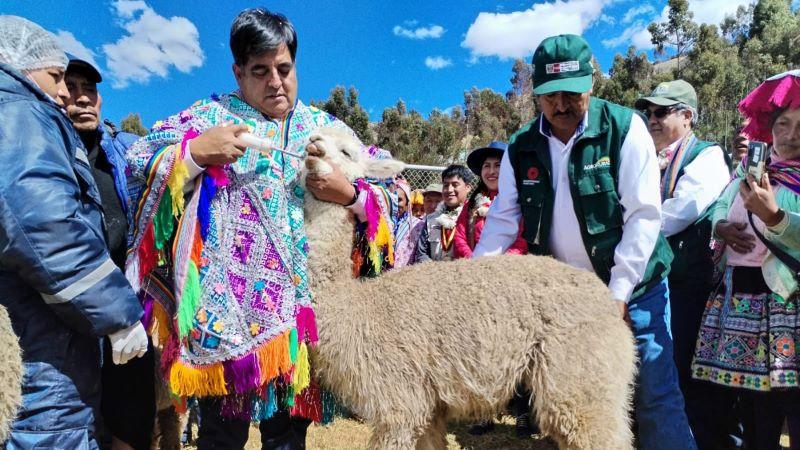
x=670, y=93
x=778, y=92
x=478, y=156
x=85, y=67
x=562, y=63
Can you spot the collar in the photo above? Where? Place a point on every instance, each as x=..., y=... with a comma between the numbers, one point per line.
x=546, y=129
x=672, y=147
x=297, y=104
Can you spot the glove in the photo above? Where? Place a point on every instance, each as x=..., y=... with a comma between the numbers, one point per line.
x=128, y=343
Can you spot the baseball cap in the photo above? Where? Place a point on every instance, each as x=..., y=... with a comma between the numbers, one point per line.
x=85, y=67
x=562, y=63
x=432, y=188
x=670, y=93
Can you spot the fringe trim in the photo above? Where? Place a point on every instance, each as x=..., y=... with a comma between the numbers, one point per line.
x=187, y=381
x=190, y=300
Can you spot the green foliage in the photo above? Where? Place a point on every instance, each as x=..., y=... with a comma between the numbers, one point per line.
x=723, y=64
x=132, y=123
x=346, y=108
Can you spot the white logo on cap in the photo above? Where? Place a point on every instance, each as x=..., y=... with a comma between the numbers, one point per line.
x=566, y=66
x=661, y=89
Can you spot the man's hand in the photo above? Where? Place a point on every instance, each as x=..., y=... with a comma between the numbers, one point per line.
x=623, y=312
x=218, y=145
x=760, y=200
x=128, y=343
x=331, y=187
x=734, y=235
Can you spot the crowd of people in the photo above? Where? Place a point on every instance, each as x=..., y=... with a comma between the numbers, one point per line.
x=190, y=241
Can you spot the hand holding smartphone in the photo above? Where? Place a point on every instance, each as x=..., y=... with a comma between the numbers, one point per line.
x=756, y=159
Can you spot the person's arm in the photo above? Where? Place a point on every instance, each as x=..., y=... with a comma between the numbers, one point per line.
x=701, y=183
x=423, y=253
x=503, y=220
x=786, y=232
x=520, y=246
x=638, y=187
x=44, y=238
x=460, y=244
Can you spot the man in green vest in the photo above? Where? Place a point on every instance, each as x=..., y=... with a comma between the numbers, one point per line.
x=584, y=177
x=693, y=174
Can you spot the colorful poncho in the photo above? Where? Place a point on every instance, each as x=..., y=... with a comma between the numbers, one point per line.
x=220, y=261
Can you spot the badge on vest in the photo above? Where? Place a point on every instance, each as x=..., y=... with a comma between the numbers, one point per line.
x=533, y=177
x=603, y=162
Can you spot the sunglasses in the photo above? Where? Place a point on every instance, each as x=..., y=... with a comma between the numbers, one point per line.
x=660, y=113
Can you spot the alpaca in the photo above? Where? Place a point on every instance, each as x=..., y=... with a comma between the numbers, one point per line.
x=10, y=375
x=409, y=351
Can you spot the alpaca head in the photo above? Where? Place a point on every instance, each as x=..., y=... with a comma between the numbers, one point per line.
x=349, y=154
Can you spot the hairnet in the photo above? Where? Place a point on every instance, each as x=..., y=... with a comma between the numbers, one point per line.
x=26, y=46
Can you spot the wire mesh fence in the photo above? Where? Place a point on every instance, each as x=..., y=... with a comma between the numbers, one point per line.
x=421, y=176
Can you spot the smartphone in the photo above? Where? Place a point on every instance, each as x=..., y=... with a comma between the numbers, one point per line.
x=756, y=159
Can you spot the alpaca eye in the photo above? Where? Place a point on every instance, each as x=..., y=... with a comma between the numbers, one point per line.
x=346, y=153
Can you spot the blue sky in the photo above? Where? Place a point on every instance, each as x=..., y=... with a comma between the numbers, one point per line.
x=157, y=57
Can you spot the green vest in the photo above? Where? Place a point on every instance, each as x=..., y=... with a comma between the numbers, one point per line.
x=693, y=255
x=592, y=169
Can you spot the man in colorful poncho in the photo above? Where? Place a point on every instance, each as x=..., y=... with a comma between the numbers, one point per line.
x=220, y=252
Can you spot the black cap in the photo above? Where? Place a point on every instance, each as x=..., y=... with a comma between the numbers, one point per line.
x=84, y=67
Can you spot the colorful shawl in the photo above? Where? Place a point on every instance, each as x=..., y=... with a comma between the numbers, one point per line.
x=675, y=163
x=407, y=232
x=222, y=271
x=373, y=248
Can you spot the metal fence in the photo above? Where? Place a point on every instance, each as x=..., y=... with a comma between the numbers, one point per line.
x=420, y=176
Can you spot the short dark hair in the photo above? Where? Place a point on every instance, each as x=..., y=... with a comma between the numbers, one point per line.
x=257, y=30
x=457, y=170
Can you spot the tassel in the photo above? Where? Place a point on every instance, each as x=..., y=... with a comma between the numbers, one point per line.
x=187, y=381
x=177, y=179
x=148, y=256
x=273, y=358
x=189, y=301
x=307, y=325
x=163, y=223
x=169, y=355
x=302, y=370
x=197, y=247
x=159, y=327
x=208, y=189
x=218, y=174
x=293, y=346
x=243, y=373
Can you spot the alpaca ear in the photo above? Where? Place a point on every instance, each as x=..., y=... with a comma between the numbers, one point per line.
x=383, y=168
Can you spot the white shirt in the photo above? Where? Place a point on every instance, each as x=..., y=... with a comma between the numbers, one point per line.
x=638, y=184
x=702, y=182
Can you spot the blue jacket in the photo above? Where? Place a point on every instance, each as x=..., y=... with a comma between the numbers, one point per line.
x=129, y=188
x=61, y=289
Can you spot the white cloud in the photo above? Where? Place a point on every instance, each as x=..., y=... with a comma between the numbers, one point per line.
x=437, y=62
x=431, y=32
x=517, y=34
x=70, y=44
x=605, y=18
x=153, y=45
x=714, y=11
x=636, y=12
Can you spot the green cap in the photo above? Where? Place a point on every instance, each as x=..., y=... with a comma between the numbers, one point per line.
x=670, y=93
x=562, y=63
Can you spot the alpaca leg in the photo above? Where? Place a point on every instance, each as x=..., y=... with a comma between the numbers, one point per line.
x=583, y=382
x=435, y=435
x=395, y=437
x=170, y=429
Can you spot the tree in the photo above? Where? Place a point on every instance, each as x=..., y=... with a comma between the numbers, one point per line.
x=520, y=96
x=346, y=108
x=630, y=77
x=678, y=31
x=132, y=123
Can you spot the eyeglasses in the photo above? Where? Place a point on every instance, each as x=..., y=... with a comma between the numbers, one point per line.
x=660, y=113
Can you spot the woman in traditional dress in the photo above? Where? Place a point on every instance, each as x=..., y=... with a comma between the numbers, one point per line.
x=407, y=229
x=750, y=329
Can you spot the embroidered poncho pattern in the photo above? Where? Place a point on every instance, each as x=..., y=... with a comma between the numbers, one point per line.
x=222, y=273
